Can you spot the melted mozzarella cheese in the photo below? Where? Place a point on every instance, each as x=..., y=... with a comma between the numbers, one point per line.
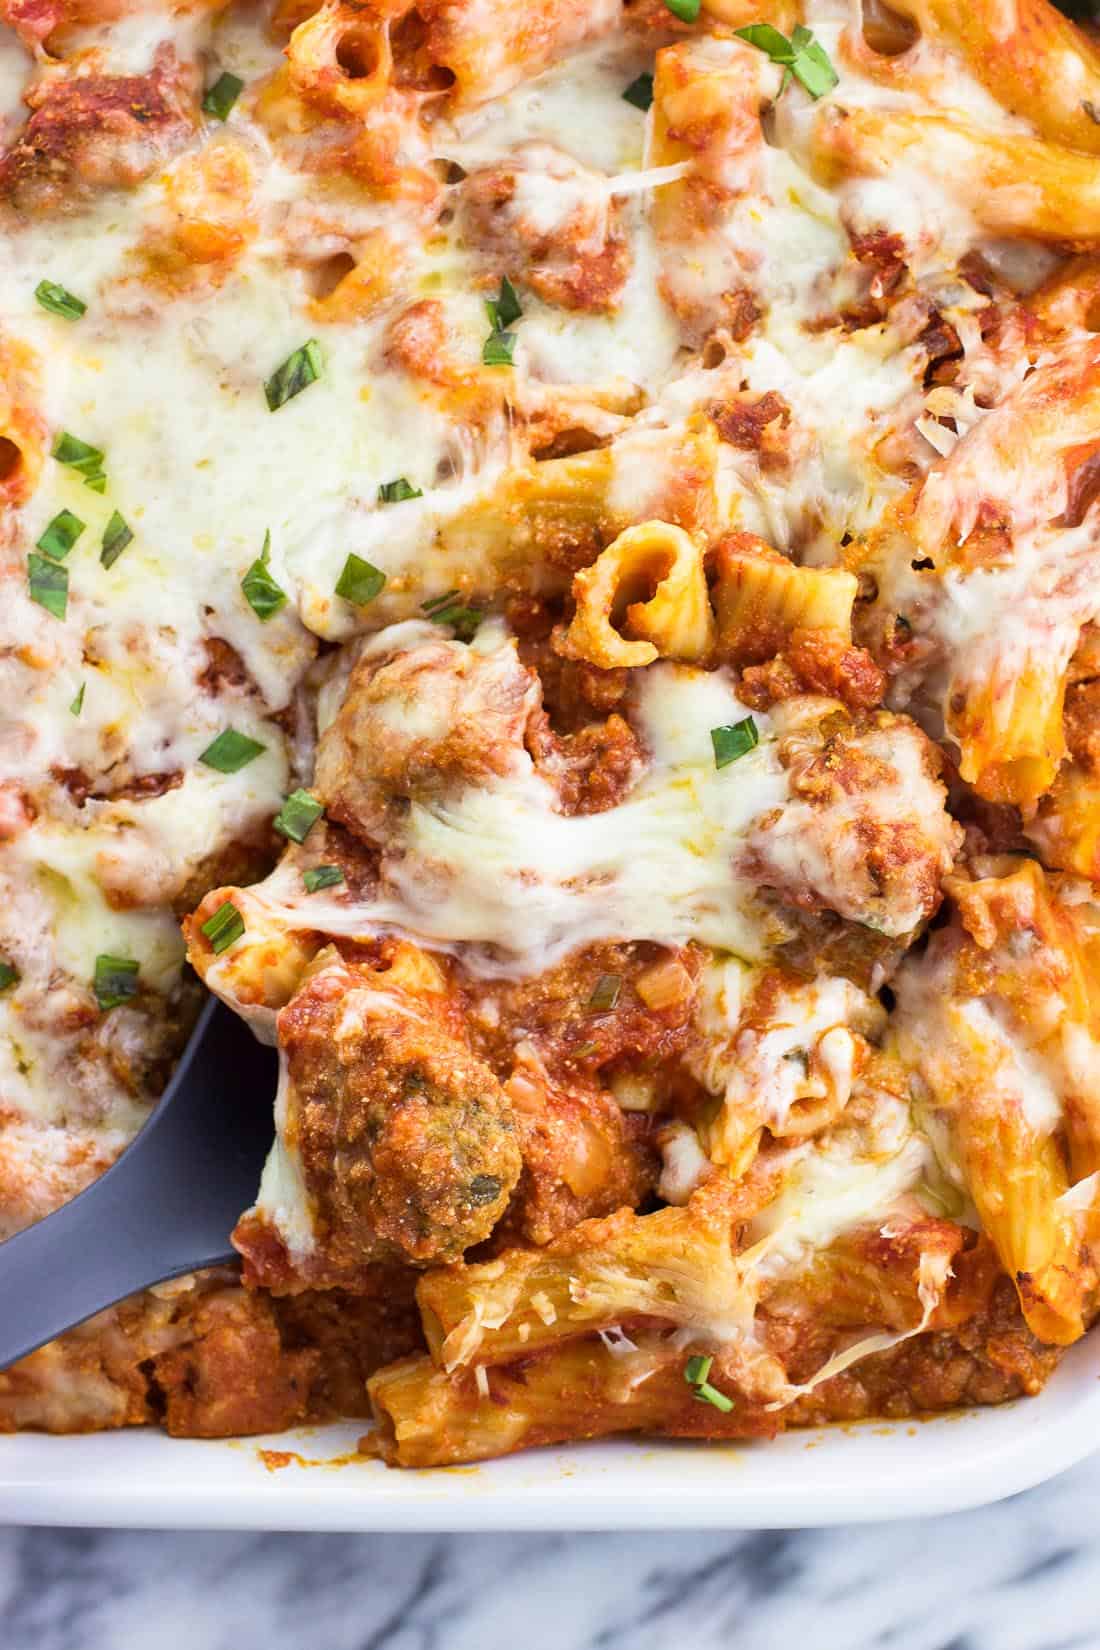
x=658, y=866
x=577, y=104
x=832, y=1188
x=283, y=1201
x=763, y=1071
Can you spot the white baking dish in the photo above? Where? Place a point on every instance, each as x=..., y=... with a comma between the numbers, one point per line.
x=836, y=1475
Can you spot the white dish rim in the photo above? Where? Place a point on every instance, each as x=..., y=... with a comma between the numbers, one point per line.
x=870, y=1471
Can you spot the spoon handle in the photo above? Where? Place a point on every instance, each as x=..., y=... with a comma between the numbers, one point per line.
x=166, y=1207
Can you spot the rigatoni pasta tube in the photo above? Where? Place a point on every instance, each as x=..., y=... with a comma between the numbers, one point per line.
x=674, y=621
x=677, y=1265
x=578, y=1389
x=761, y=598
x=1013, y=184
x=1034, y=61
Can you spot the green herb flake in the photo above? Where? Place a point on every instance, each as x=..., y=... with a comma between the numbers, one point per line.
x=605, y=993
x=359, y=582
x=733, y=740
x=505, y=308
x=231, y=751
x=707, y=1394
x=60, y=536
x=48, y=585
x=498, y=349
x=696, y=1371
x=449, y=609
x=296, y=374
x=396, y=492
x=264, y=596
x=640, y=91
x=116, y=536
x=298, y=815
x=80, y=456
x=322, y=876
x=78, y=703
x=225, y=926
x=8, y=974
x=116, y=980
x=802, y=56
x=221, y=96
x=60, y=301
x=686, y=10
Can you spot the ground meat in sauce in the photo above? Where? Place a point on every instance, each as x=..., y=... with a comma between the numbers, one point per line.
x=582, y=1157
x=206, y=1358
x=815, y=661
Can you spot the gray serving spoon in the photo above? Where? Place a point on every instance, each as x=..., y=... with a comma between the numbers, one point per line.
x=166, y=1207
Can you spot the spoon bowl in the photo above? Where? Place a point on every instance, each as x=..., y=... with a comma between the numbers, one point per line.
x=166, y=1207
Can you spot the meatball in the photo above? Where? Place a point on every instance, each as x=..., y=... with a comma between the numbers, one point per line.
x=415, y=722
x=865, y=831
x=550, y=223
x=395, y=1142
x=92, y=132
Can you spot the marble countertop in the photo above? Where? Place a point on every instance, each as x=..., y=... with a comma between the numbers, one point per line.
x=1022, y=1575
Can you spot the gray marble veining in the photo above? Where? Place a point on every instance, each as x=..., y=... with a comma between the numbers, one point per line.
x=1023, y=1575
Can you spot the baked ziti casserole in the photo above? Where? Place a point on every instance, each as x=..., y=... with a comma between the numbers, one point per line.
x=550, y=560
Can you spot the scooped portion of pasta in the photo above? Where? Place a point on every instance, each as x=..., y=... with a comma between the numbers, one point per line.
x=552, y=556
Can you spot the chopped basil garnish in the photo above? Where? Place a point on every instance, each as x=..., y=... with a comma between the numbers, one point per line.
x=395, y=492
x=61, y=535
x=450, y=609
x=640, y=91
x=503, y=310
x=48, y=585
x=231, y=751
x=263, y=595
x=322, y=876
x=221, y=96
x=116, y=980
x=225, y=926
x=296, y=374
x=60, y=301
x=733, y=740
x=605, y=993
x=505, y=307
x=696, y=1371
x=359, y=582
x=707, y=1394
x=78, y=703
x=298, y=815
x=498, y=349
x=116, y=536
x=80, y=456
x=686, y=10
x=8, y=974
x=801, y=56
